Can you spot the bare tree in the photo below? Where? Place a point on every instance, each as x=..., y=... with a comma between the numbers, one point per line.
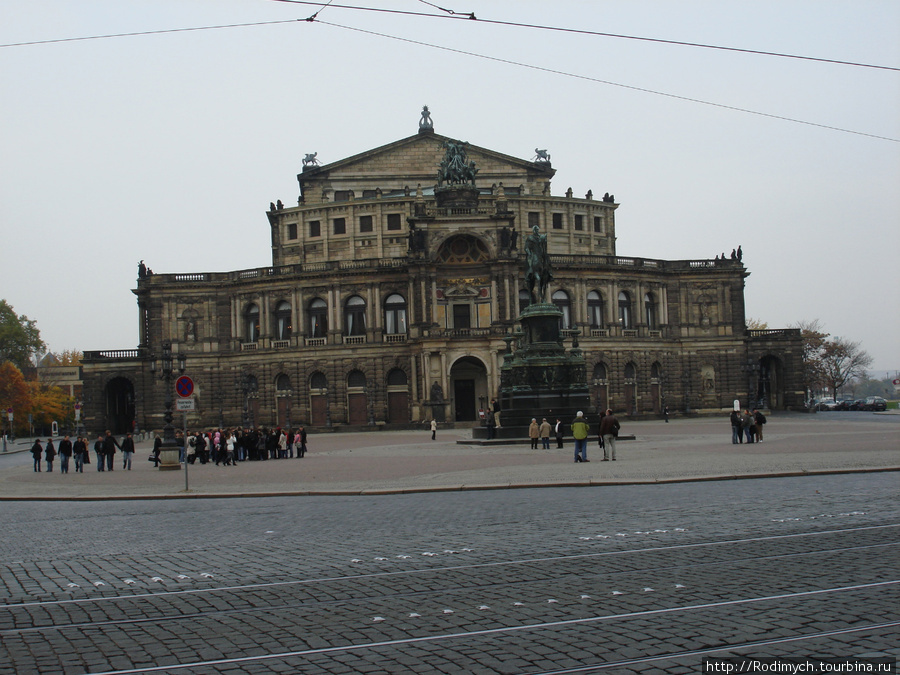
x=814, y=337
x=843, y=360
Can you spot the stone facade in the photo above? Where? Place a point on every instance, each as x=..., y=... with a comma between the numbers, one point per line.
x=385, y=306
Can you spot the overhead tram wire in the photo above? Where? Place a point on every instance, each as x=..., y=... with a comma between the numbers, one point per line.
x=149, y=32
x=470, y=16
x=613, y=84
x=451, y=14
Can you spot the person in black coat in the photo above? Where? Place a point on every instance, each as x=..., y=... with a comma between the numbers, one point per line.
x=50, y=454
x=79, y=451
x=65, y=453
x=36, y=451
x=109, y=449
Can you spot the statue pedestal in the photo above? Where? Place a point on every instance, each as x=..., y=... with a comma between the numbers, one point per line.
x=540, y=378
x=168, y=458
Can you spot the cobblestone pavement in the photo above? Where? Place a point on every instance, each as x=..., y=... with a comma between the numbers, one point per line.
x=619, y=579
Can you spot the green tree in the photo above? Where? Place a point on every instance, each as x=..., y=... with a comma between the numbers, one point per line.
x=842, y=361
x=20, y=338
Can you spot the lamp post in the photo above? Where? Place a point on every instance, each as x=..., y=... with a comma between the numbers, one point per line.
x=165, y=365
x=752, y=370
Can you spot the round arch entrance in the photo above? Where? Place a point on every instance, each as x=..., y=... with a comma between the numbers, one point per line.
x=120, y=405
x=770, y=387
x=468, y=384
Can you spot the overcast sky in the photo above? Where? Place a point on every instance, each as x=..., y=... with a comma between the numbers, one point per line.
x=169, y=147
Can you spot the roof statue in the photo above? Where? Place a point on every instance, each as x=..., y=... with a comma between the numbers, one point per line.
x=541, y=156
x=425, y=123
x=310, y=160
x=455, y=167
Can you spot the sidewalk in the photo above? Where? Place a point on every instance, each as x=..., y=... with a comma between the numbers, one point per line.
x=409, y=461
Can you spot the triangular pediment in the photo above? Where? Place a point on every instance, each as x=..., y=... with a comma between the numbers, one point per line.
x=415, y=160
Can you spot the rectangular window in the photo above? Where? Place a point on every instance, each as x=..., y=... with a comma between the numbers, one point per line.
x=369, y=194
x=534, y=218
x=462, y=316
x=393, y=221
x=557, y=221
x=341, y=195
x=340, y=226
x=598, y=224
x=315, y=228
x=365, y=223
x=579, y=222
x=292, y=231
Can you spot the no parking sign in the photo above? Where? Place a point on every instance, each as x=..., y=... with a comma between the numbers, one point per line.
x=184, y=386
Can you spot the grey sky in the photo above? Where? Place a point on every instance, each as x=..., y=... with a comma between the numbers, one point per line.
x=169, y=147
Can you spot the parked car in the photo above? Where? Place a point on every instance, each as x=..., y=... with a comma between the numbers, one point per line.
x=827, y=404
x=857, y=404
x=874, y=403
x=844, y=404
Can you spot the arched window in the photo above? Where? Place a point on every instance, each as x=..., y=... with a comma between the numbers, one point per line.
x=251, y=322
x=655, y=371
x=650, y=308
x=595, y=309
x=561, y=300
x=318, y=318
x=318, y=381
x=396, y=378
x=282, y=383
x=395, y=314
x=599, y=372
x=630, y=371
x=283, y=321
x=625, y=319
x=356, y=379
x=524, y=300
x=355, y=316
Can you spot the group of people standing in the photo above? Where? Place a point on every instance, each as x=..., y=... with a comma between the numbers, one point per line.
x=607, y=432
x=230, y=446
x=105, y=448
x=747, y=424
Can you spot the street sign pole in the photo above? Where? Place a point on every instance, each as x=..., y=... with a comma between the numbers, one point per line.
x=184, y=437
x=184, y=387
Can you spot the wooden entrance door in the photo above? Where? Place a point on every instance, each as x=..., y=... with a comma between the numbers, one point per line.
x=318, y=405
x=357, y=404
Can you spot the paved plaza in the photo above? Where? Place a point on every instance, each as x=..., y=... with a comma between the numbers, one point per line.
x=389, y=461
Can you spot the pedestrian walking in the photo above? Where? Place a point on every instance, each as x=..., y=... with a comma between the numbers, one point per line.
x=110, y=445
x=580, y=431
x=491, y=424
x=433, y=429
x=98, y=450
x=37, y=451
x=79, y=452
x=666, y=413
x=609, y=430
x=65, y=454
x=545, y=433
x=49, y=454
x=559, y=431
x=127, y=451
